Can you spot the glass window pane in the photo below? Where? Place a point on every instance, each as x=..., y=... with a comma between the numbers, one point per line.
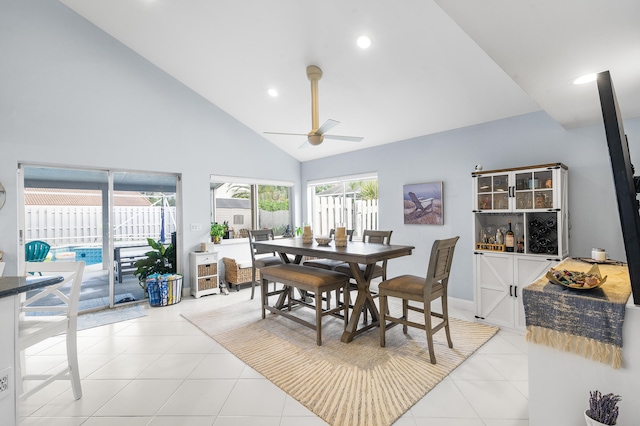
x=274, y=209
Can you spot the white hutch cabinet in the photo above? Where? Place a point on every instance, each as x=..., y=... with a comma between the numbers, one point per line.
x=534, y=200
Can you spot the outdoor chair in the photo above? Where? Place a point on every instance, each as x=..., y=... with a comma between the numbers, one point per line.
x=261, y=258
x=36, y=251
x=423, y=290
x=422, y=206
x=48, y=321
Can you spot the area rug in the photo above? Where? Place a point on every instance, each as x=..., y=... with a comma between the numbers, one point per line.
x=110, y=316
x=356, y=383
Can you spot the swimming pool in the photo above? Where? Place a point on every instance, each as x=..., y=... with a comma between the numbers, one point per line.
x=91, y=255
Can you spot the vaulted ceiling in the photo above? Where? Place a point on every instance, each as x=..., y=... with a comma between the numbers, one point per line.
x=433, y=66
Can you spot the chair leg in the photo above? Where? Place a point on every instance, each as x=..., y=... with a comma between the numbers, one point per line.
x=263, y=294
x=428, y=328
x=72, y=359
x=383, y=320
x=347, y=300
x=318, y=297
x=445, y=318
x=405, y=314
x=253, y=281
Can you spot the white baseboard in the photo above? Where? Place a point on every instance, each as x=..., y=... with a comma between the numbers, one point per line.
x=462, y=304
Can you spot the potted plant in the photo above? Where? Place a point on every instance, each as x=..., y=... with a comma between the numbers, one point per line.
x=160, y=260
x=217, y=232
x=603, y=409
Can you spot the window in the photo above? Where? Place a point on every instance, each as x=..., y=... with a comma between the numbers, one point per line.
x=351, y=201
x=245, y=204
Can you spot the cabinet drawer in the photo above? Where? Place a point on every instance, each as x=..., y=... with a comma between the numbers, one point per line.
x=206, y=258
x=208, y=269
x=207, y=283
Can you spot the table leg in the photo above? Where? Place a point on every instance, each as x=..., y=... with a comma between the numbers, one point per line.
x=364, y=300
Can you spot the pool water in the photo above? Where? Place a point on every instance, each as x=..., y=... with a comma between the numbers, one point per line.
x=91, y=255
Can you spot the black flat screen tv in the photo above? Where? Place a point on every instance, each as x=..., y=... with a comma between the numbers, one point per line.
x=626, y=184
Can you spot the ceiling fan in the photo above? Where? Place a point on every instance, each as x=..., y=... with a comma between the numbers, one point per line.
x=318, y=134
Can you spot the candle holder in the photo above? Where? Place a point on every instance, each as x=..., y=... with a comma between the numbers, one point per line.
x=307, y=235
x=341, y=242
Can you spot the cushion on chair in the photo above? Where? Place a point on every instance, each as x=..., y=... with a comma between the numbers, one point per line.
x=268, y=261
x=329, y=264
x=406, y=284
x=346, y=269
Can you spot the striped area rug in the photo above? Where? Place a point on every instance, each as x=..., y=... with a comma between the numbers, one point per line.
x=356, y=383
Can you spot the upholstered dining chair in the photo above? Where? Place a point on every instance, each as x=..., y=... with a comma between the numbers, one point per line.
x=38, y=323
x=379, y=269
x=422, y=290
x=329, y=264
x=260, y=258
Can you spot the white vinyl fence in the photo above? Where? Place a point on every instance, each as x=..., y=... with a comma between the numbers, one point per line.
x=358, y=215
x=78, y=225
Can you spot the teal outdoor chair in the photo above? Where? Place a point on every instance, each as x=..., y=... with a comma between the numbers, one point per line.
x=36, y=251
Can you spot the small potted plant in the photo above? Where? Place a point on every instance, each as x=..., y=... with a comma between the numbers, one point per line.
x=217, y=232
x=603, y=409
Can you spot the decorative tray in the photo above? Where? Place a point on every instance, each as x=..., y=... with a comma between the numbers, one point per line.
x=577, y=280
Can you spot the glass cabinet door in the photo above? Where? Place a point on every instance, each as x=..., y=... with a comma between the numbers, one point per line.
x=534, y=190
x=543, y=191
x=493, y=192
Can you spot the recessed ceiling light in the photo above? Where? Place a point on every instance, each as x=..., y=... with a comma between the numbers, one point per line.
x=364, y=42
x=588, y=78
x=273, y=93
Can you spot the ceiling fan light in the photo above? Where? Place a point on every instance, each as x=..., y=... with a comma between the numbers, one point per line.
x=364, y=42
x=588, y=78
x=315, y=139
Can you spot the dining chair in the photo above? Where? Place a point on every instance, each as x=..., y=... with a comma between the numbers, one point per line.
x=329, y=264
x=259, y=257
x=379, y=269
x=39, y=322
x=423, y=290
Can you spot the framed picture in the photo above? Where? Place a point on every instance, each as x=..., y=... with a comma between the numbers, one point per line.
x=423, y=203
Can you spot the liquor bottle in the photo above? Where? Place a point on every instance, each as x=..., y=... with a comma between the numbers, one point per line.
x=509, y=239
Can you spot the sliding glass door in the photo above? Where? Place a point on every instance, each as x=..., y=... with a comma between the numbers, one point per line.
x=87, y=215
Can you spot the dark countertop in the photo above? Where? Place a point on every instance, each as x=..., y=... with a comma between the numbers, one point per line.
x=10, y=286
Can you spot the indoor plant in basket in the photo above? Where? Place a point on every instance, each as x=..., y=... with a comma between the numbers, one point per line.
x=603, y=409
x=160, y=260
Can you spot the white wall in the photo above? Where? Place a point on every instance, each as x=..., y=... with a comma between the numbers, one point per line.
x=71, y=95
x=451, y=156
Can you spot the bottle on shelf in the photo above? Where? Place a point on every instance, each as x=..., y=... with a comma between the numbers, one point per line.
x=509, y=239
x=499, y=237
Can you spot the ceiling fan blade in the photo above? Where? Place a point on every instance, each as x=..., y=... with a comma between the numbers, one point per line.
x=306, y=144
x=287, y=134
x=344, y=138
x=328, y=125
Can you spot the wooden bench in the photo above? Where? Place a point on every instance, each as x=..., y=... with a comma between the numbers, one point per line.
x=307, y=279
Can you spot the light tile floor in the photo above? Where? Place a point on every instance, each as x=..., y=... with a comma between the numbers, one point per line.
x=160, y=370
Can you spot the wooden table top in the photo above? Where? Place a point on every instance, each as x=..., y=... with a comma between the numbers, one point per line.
x=353, y=252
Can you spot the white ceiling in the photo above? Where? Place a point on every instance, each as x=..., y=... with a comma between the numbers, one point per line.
x=433, y=66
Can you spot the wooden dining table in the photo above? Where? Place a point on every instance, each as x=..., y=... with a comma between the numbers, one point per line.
x=354, y=253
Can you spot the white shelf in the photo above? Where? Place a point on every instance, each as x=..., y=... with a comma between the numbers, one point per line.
x=204, y=273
